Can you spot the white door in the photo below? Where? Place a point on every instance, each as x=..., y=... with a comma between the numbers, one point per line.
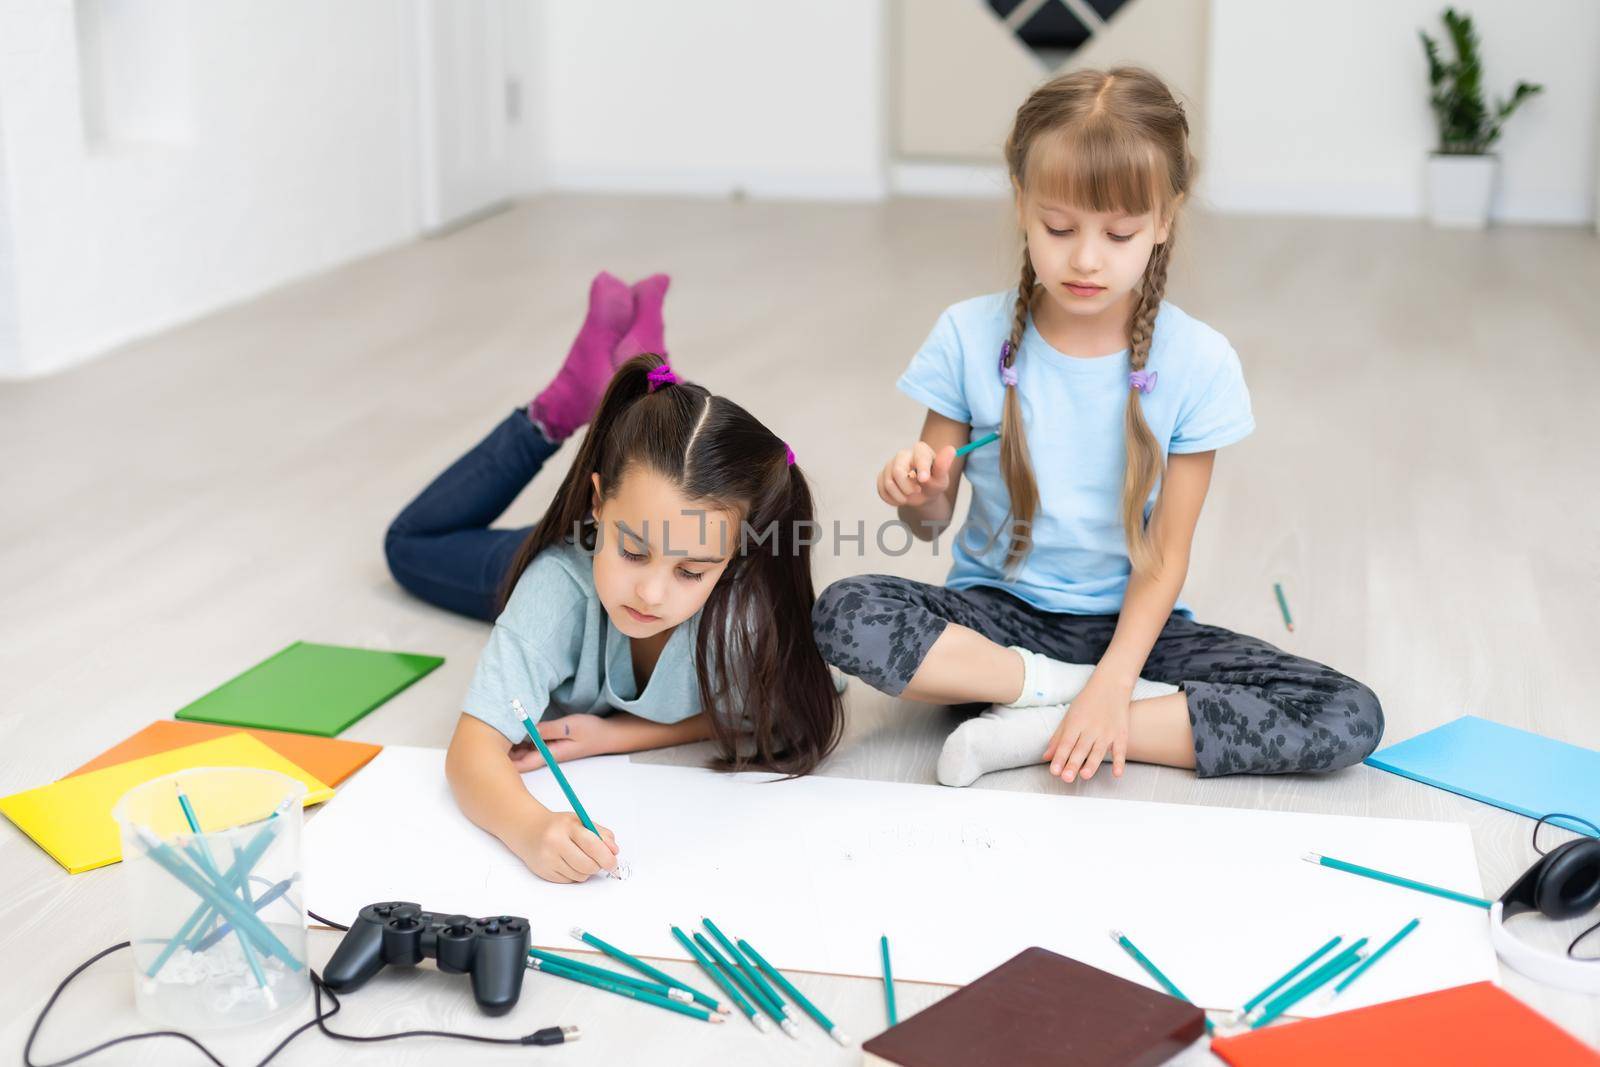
x=466, y=163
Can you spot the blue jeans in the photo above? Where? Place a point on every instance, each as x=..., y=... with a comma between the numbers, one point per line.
x=441, y=547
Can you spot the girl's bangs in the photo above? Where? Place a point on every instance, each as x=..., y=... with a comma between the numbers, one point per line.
x=1094, y=168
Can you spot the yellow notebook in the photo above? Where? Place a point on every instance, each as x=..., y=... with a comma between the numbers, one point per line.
x=71, y=819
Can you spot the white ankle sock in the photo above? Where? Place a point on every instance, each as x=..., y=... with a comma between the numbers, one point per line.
x=1048, y=681
x=1008, y=736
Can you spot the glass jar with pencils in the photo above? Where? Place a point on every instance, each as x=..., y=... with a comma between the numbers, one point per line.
x=214, y=896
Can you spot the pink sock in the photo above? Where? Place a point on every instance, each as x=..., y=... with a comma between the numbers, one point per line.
x=570, y=399
x=648, y=333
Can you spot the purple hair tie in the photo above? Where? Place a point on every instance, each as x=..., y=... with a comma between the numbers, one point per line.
x=660, y=376
x=1143, y=380
x=788, y=454
x=1008, y=375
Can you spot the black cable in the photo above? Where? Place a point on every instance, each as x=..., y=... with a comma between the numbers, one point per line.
x=27, y=1049
x=1559, y=815
x=550, y=1035
x=1572, y=949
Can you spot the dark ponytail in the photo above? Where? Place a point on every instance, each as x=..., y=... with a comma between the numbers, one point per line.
x=768, y=663
x=756, y=661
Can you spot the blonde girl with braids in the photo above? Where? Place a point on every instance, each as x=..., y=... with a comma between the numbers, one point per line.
x=1062, y=609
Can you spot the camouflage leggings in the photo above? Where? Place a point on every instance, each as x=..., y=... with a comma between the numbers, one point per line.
x=1255, y=709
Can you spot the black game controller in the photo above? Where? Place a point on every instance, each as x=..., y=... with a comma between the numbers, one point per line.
x=398, y=932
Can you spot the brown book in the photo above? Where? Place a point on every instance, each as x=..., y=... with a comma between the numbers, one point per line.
x=1041, y=1008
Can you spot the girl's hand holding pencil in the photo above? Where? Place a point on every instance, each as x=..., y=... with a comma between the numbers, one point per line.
x=569, y=737
x=559, y=848
x=915, y=475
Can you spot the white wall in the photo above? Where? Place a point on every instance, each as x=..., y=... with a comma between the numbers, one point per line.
x=293, y=150
x=960, y=73
x=1323, y=109
x=288, y=140
x=706, y=96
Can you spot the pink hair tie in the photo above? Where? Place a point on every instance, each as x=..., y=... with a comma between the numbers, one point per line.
x=1008, y=375
x=788, y=454
x=660, y=376
x=1143, y=380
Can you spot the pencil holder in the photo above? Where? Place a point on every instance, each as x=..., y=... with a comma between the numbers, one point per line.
x=214, y=897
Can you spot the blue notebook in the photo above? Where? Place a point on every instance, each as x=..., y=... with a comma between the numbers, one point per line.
x=1501, y=765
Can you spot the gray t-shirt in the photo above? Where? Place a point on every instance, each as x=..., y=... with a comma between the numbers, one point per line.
x=555, y=649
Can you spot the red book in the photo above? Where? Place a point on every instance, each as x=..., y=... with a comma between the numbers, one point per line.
x=1478, y=1025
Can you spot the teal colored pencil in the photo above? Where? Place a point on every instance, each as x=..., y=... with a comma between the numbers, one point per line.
x=888, y=982
x=607, y=975
x=228, y=905
x=1395, y=879
x=723, y=980
x=644, y=968
x=1283, y=606
x=1153, y=971
x=1308, y=985
x=203, y=859
x=1376, y=956
x=737, y=974
x=631, y=992
x=757, y=979
x=241, y=867
x=973, y=446
x=794, y=993
x=1290, y=973
x=555, y=768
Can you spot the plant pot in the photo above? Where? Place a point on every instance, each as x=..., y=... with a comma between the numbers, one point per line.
x=1459, y=190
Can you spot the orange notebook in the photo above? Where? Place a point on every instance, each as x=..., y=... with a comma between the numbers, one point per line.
x=1476, y=1025
x=327, y=760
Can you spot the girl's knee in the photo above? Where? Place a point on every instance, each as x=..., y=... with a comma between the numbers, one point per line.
x=1356, y=718
x=394, y=550
x=833, y=613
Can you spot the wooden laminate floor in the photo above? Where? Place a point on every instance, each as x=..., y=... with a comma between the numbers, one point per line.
x=1420, y=480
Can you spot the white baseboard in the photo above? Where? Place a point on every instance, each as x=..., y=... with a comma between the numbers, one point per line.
x=720, y=184
x=1344, y=200
x=956, y=180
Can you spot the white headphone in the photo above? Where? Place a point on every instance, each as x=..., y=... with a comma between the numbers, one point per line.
x=1564, y=882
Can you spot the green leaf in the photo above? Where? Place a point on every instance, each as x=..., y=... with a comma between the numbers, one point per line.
x=1466, y=124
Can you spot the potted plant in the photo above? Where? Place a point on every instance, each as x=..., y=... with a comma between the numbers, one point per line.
x=1461, y=171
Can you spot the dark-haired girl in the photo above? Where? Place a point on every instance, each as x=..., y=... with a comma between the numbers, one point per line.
x=663, y=598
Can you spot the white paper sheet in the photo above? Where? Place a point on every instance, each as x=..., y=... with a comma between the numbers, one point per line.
x=812, y=870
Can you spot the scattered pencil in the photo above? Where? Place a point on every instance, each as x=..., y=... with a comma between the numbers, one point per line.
x=560, y=776
x=1374, y=958
x=769, y=996
x=725, y=981
x=552, y=967
x=1307, y=985
x=606, y=975
x=794, y=993
x=1153, y=971
x=1283, y=606
x=1395, y=879
x=1250, y=1004
x=738, y=975
x=644, y=968
x=888, y=982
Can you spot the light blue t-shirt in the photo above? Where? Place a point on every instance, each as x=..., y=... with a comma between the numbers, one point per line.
x=1073, y=410
x=555, y=649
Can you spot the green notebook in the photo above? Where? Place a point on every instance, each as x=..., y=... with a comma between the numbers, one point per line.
x=310, y=689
